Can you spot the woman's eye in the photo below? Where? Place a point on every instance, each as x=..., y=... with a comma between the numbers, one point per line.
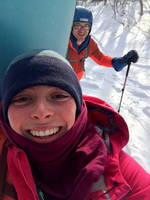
x=21, y=100
x=60, y=97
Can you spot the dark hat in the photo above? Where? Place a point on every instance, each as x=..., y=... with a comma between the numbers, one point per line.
x=40, y=67
x=83, y=15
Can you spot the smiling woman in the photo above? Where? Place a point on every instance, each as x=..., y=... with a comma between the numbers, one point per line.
x=57, y=144
x=81, y=46
x=40, y=113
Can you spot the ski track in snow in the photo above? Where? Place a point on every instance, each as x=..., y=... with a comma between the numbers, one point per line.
x=107, y=84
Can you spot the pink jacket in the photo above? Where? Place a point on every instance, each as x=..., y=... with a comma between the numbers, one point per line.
x=123, y=178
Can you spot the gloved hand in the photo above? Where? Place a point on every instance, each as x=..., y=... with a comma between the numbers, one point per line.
x=119, y=63
x=131, y=56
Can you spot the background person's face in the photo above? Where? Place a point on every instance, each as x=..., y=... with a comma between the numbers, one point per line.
x=80, y=30
x=42, y=113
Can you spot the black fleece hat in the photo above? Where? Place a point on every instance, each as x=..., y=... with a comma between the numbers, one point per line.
x=41, y=67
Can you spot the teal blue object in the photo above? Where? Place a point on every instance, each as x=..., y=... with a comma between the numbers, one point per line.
x=33, y=24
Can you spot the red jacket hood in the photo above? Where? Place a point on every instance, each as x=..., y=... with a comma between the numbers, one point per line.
x=104, y=116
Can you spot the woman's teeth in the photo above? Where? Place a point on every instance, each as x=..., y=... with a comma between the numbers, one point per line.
x=44, y=133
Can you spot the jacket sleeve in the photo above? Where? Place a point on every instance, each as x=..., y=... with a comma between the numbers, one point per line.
x=136, y=177
x=98, y=56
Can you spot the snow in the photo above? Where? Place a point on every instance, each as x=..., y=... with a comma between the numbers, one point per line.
x=115, y=40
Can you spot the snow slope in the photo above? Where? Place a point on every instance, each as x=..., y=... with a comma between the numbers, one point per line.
x=105, y=83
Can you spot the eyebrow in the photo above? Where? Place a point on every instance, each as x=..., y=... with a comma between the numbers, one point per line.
x=81, y=24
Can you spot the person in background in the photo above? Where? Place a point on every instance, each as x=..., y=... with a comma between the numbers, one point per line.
x=82, y=45
x=56, y=143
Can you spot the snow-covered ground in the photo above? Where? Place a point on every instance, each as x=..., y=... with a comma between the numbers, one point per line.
x=105, y=83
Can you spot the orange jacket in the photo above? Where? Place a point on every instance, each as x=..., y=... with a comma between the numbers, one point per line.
x=77, y=59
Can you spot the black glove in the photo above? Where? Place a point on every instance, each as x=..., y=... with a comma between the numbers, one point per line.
x=131, y=56
x=119, y=63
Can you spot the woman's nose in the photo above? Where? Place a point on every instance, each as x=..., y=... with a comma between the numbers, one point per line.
x=42, y=111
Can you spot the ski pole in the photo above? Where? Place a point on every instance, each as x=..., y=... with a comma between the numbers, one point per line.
x=127, y=72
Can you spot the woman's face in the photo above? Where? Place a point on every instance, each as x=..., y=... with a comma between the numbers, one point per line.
x=42, y=113
x=80, y=31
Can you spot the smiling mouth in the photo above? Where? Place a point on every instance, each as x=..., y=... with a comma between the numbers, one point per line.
x=45, y=133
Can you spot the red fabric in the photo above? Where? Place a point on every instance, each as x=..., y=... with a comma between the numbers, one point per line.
x=64, y=169
x=133, y=175
x=136, y=177
x=93, y=52
x=120, y=137
x=21, y=174
x=133, y=183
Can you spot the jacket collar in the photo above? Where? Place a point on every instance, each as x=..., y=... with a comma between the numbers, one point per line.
x=82, y=46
